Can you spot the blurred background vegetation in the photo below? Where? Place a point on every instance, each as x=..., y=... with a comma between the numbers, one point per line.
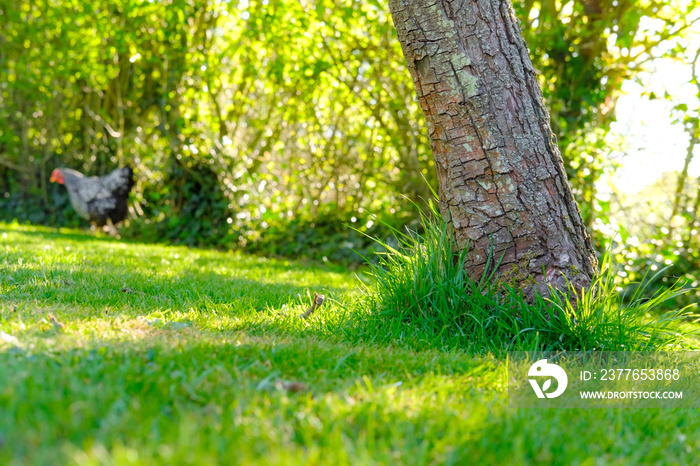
x=276, y=125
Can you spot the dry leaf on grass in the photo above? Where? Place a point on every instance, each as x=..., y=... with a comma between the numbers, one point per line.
x=318, y=300
x=54, y=321
x=294, y=387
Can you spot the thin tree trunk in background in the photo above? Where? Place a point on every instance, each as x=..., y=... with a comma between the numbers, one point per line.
x=680, y=187
x=694, y=220
x=694, y=134
x=502, y=181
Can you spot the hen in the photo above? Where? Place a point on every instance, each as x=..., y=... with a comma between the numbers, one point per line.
x=101, y=200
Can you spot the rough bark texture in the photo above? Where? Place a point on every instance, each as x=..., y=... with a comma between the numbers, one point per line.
x=502, y=180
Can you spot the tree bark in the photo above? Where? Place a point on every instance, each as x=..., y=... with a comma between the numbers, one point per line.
x=502, y=181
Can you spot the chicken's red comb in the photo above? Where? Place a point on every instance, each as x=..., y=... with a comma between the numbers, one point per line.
x=56, y=176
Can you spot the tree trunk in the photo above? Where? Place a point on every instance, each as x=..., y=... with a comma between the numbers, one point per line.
x=502, y=181
x=680, y=187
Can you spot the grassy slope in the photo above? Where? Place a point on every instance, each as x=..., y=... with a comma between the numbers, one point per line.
x=164, y=355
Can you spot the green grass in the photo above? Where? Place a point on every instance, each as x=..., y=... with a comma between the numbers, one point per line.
x=422, y=297
x=129, y=353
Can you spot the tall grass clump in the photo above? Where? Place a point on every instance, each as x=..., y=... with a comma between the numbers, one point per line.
x=418, y=294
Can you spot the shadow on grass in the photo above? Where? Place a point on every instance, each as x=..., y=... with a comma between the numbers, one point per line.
x=100, y=272
x=221, y=398
x=148, y=391
x=278, y=263
x=66, y=234
x=124, y=289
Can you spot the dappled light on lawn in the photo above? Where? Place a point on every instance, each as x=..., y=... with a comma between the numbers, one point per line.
x=197, y=370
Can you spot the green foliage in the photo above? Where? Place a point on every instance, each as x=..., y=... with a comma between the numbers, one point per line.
x=328, y=237
x=196, y=213
x=585, y=51
x=421, y=295
x=294, y=110
x=655, y=242
x=661, y=222
x=257, y=94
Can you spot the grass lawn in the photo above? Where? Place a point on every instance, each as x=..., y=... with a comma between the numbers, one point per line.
x=122, y=353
